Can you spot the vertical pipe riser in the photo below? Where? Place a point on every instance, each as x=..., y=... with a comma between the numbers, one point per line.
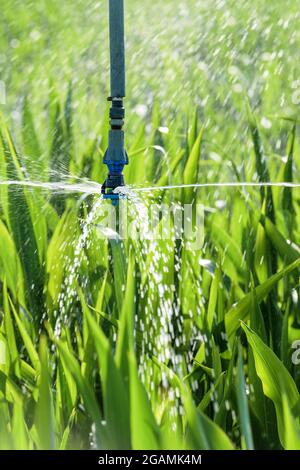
x=117, y=48
x=116, y=157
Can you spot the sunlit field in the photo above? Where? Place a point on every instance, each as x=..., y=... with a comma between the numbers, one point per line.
x=163, y=337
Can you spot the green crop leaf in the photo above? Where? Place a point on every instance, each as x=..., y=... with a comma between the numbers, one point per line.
x=28, y=343
x=115, y=393
x=44, y=413
x=144, y=430
x=119, y=268
x=125, y=336
x=289, y=252
x=193, y=131
x=30, y=140
x=60, y=248
x=85, y=389
x=135, y=172
x=203, y=434
x=59, y=158
x=191, y=170
x=285, y=195
x=10, y=334
x=256, y=318
x=261, y=164
x=19, y=429
x=213, y=297
x=206, y=400
x=228, y=244
x=19, y=203
x=291, y=427
x=172, y=167
x=190, y=173
x=241, y=310
x=275, y=378
x=246, y=430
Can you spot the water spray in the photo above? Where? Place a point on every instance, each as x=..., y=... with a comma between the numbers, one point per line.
x=116, y=157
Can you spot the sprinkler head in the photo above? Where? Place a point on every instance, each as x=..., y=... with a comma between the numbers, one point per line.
x=114, y=198
x=113, y=182
x=116, y=156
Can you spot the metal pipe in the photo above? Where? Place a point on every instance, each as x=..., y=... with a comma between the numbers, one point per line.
x=117, y=48
x=116, y=157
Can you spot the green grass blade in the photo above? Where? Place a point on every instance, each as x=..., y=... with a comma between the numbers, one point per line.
x=242, y=309
x=115, y=393
x=28, y=343
x=125, y=341
x=246, y=430
x=203, y=433
x=144, y=430
x=87, y=393
x=23, y=233
x=191, y=170
x=275, y=378
x=30, y=140
x=10, y=334
x=291, y=427
x=44, y=413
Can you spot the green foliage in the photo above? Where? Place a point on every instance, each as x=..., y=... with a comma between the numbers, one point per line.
x=276, y=380
x=80, y=366
x=91, y=381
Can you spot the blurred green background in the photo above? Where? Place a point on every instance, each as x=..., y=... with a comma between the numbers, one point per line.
x=179, y=55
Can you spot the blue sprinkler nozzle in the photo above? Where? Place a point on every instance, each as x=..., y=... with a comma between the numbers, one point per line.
x=116, y=157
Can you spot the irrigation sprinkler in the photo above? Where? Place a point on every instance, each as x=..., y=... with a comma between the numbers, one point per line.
x=116, y=157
